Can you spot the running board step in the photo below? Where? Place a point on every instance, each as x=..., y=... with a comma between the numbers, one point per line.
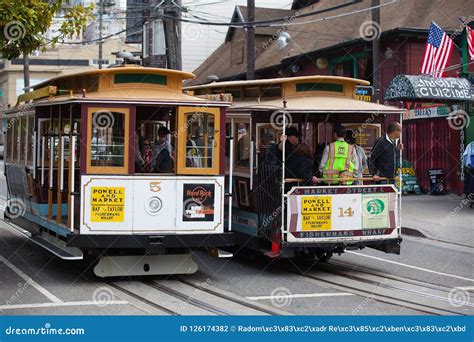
x=139, y=265
x=60, y=252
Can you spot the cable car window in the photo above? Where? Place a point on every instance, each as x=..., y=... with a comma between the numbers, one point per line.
x=107, y=140
x=198, y=146
x=242, y=147
x=200, y=140
x=252, y=93
x=22, y=139
x=107, y=131
x=9, y=139
x=272, y=91
x=236, y=93
x=16, y=142
x=228, y=130
x=29, y=143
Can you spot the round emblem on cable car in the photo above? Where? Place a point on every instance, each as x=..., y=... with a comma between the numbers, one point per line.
x=153, y=205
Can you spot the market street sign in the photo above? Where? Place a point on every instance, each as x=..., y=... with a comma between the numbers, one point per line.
x=425, y=88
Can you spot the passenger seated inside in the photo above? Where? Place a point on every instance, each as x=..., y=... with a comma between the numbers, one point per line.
x=147, y=156
x=162, y=161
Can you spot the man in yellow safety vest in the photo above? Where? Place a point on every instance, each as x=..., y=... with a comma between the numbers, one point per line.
x=339, y=159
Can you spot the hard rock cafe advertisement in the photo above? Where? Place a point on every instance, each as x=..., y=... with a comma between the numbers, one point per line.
x=198, y=202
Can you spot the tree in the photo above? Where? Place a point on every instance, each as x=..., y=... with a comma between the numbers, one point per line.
x=23, y=24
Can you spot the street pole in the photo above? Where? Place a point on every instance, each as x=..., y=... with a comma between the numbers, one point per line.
x=101, y=13
x=26, y=72
x=250, y=40
x=376, y=50
x=173, y=35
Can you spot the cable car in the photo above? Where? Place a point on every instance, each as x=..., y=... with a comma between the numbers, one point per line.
x=279, y=215
x=120, y=166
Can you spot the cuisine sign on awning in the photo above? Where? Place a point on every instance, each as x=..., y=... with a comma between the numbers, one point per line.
x=426, y=88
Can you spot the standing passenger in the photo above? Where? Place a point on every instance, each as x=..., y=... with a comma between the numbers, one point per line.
x=385, y=155
x=339, y=159
x=362, y=157
x=162, y=151
x=301, y=165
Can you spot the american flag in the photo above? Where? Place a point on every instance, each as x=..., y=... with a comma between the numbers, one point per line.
x=437, y=52
x=470, y=41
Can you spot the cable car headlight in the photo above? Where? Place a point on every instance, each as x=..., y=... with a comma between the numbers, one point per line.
x=153, y=205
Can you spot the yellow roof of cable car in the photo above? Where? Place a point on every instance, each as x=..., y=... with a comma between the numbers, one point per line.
x=122, y=84
x=183, y=75
x=270, y=81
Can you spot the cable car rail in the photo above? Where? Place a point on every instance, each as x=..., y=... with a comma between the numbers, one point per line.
x=416, y=298
x=181, y=297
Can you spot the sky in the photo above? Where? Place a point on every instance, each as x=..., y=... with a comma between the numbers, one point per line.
x=199, y=41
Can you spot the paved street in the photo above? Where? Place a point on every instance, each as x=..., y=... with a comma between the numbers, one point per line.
x=429, y=277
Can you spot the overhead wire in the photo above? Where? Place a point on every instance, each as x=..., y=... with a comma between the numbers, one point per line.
x=277, y=21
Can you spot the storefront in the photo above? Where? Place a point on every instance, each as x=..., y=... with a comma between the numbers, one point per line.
x=436, y=124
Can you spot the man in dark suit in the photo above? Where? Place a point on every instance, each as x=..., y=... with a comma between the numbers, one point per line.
x=385, y=154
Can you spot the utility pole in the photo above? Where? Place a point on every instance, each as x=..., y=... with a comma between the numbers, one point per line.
x=101, y=19
x=376, y=50
x=26, y=72
x=172, y=28
x=250, y=40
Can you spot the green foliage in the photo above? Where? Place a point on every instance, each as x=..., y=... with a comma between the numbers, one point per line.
x=23, y=24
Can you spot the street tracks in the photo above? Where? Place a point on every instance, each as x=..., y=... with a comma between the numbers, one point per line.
x=176, y=296
x=373, y=285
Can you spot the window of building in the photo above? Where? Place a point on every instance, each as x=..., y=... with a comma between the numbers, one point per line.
x=95, y=61
x=158, y=43
x=345, y=68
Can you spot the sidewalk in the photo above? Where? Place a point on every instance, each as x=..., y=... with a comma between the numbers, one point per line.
x=447, y=218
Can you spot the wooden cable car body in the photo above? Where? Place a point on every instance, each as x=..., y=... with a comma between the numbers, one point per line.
x=279, y=216
x=77, y=188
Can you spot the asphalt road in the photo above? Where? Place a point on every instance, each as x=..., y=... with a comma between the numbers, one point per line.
x=427, y=278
